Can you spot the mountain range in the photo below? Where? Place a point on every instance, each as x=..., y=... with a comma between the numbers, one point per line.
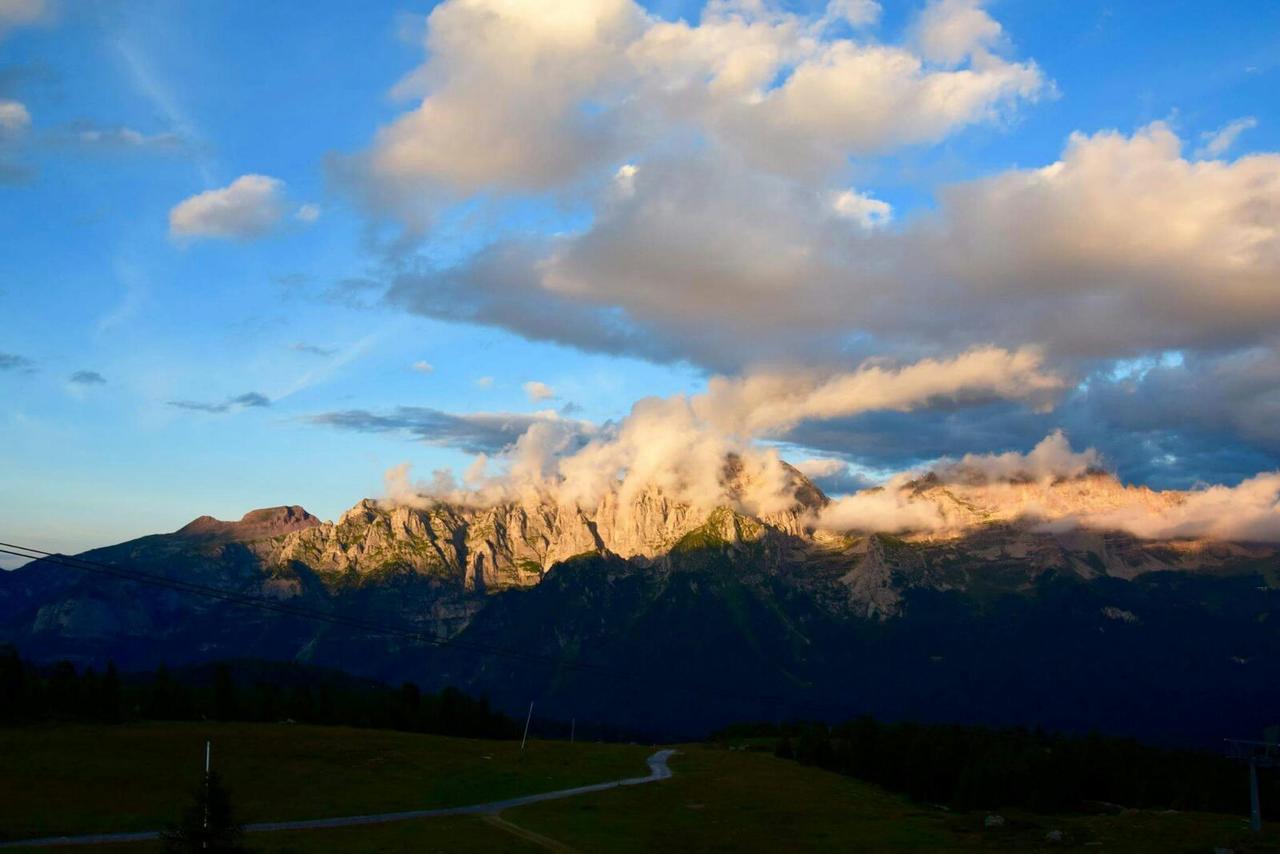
x=653, y=615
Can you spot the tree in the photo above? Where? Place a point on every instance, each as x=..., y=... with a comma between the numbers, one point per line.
x=207, y=825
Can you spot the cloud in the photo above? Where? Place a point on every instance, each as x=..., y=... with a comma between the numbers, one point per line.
x=312, y=349
x=950, y=31
x=19, y=13
x=307, y=213
x=14, y=362
x=862, y=209
x=534, y=96
x=248, y=400
x=1075, y=257
x=15, y=121
x=726, y=169
x=423, y=367
x=1053, y=488
x=88, y=378
x=772, y=403
x=1219, y=142
x=538, y=391
x=14, y=118
x=88, y=135
x=681, y=445
x=1051, y=459
x=250, y=207
x=475, y=433
x=484, y=382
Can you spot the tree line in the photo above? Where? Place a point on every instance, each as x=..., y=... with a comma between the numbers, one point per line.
x=971, y=767
x=247, y=690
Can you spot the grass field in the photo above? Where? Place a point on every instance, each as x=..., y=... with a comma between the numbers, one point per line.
x=88, y=779
x=53, y=781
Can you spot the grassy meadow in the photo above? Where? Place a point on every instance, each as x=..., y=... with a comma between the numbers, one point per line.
x=79, y=779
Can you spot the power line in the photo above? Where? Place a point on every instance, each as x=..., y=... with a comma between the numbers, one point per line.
x=120, y=572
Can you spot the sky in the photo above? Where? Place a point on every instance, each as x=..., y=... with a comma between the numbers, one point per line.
x=261, y=254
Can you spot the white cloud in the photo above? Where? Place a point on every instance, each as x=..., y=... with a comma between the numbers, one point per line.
x=484, y=382
x=535, y=95
x=855, y=13
x=537, y=391
x=950, y=31
x=14, y=118
x=307, y=213
x=1053, y=488
x=772, y=403
x=1219, y=142
x=251, y=206
x=865, y=210
x=423, y=367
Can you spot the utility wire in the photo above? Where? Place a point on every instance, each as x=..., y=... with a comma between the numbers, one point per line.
x=247, y=600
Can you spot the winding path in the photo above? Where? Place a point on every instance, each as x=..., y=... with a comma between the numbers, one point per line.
x=658, y=770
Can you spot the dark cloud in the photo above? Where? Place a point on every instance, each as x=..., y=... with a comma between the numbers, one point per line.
x=477, y=433
x=493, y=289
x=14, y=362
x=247, y=400
x=88, y=378
x=1207, y=420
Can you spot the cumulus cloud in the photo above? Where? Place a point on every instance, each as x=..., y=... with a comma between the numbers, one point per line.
x=251, y=206
x=248, y=400
x=538, y=391
x=1051, y=459
x=530, y=96
x=1078, y=257
x=87, y=378
x=735, y=224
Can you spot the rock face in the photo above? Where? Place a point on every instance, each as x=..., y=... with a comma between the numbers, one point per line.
x=515, y=544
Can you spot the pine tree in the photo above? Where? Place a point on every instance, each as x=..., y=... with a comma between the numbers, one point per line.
x=208, y=825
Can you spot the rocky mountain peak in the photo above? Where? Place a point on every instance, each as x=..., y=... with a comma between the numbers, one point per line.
x=262, y=524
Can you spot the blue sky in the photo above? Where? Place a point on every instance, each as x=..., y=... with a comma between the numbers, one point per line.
x=128, y=109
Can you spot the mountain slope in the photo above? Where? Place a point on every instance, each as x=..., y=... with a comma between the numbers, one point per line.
x=655, y=615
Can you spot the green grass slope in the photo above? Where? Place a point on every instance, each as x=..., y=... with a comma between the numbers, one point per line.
x=58, y=780
x=720, y=800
